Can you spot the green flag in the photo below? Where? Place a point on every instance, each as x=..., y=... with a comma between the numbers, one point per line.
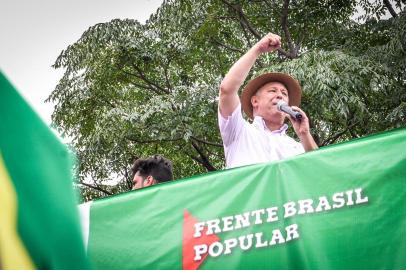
x=340, y=207
x=39, y=222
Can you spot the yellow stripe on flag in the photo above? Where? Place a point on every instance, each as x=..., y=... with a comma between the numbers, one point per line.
x=13, y=254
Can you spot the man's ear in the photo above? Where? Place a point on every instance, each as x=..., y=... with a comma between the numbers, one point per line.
x=254, y=101
x=149, y=181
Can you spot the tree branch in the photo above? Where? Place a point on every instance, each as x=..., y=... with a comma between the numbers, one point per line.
x=242, y=18
x=103, y=100
x=299, y=43
x=247, y=38
x=284, y=53
x=224, y=17
x=127, y=178
x=96, y=188
x=333, y=138
x=268, y=4
x=284, y=22
x=146, y=87
x=354, y=135
x=145, y=79
x=220, y=156
x=197, y=159
x=226, y=46
x=140, y=85
x=131, y=138
x=203, y=158
x=390, y=8
x=168, y=83
x=206, y=142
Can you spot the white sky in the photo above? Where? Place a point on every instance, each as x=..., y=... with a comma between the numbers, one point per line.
x=33, y=34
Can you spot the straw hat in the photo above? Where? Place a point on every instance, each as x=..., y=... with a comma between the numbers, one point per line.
x=292, y=85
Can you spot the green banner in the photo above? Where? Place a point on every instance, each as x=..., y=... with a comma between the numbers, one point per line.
x=39, y=223
x=340, y=207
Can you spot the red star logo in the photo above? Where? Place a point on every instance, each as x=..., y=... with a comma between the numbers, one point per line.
x=188, y=252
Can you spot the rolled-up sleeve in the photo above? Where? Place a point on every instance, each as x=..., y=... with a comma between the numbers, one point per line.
x=230, y=127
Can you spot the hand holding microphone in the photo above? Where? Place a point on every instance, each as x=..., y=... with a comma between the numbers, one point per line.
x=284, y=107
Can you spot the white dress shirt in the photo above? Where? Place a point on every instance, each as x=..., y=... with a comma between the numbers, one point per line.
x=246, y=143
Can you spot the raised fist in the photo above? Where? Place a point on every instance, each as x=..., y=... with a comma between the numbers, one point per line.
x=269, y=43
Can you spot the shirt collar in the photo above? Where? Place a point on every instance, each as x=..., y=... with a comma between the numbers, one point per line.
x=259, y=123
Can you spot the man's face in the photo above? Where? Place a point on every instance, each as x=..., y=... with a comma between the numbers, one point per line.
x=265, y=101
x=140, y=181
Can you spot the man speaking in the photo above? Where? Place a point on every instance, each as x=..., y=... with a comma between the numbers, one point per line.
x=265, y=139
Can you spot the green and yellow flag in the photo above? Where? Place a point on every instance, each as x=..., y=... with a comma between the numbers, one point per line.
x=39, y=226
x=340, y=207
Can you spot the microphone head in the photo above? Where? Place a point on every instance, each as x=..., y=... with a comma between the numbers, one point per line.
x=280, y=104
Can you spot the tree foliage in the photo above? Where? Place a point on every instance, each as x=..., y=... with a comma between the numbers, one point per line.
x=131, y=90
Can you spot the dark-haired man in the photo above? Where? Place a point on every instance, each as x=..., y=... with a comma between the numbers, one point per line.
x=151, y=171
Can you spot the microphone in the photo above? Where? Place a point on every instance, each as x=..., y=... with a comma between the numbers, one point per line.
x=284, y=107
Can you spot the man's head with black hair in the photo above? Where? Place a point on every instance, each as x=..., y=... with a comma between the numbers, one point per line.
x=151, y=171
